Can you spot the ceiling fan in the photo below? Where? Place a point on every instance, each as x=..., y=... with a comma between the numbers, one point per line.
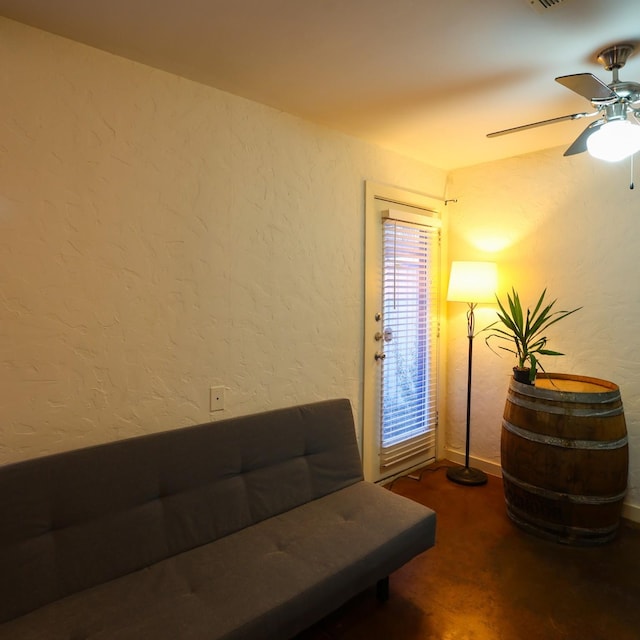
x=613, y=136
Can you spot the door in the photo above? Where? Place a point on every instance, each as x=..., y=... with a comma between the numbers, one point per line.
x=402, y=255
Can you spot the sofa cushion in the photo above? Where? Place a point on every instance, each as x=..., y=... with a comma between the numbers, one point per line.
x=270, y=580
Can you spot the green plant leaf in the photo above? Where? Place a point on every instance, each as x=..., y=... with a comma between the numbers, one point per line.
x=522, y=333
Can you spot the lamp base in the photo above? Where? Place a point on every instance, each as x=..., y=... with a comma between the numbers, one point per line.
x=467, y=475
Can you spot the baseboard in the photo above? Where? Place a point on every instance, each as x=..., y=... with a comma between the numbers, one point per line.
x=630, y=512
x=491, y=468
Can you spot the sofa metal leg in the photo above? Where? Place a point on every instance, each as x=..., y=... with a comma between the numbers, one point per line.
x=382, y=589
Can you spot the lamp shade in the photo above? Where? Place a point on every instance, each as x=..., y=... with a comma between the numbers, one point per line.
x=473, y=282
x=615, y=140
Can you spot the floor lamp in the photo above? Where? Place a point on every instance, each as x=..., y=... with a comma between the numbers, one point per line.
x=471, y=282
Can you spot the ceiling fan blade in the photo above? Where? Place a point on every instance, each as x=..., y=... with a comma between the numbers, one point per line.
x=588, y=86
x=524, y=127
x=580, y=143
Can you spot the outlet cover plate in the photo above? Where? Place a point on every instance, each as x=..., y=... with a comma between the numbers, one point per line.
x=216, y=399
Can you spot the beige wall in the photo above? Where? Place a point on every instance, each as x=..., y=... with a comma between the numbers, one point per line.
x=569, y=224
x=158, y=237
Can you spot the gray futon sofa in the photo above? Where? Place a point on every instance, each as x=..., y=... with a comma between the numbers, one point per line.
x=250, y=527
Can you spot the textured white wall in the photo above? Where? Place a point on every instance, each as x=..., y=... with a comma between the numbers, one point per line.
x=158, y=237
x=569, y=224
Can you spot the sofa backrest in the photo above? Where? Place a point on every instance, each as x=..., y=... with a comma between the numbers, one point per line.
x=76, y=519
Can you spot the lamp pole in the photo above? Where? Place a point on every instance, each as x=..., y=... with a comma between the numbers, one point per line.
x=468, y=475
x=475, y=281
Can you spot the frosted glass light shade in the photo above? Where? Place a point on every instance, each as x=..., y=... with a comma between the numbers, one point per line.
x=615, y=140
x=473, y=282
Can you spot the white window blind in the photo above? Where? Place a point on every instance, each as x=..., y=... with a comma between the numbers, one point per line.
x=410, y=331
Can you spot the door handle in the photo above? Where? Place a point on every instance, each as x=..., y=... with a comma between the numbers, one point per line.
x=386, y=335
x=380, y=356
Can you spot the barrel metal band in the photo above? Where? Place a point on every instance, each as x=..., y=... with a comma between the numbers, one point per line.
x=574, y=411
x=538, y=525
x=567, y=443
x=558, y=495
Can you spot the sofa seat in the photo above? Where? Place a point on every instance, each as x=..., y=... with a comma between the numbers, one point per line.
x=306, y=561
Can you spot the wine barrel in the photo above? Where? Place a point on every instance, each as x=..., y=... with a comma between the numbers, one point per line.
x=565, y=457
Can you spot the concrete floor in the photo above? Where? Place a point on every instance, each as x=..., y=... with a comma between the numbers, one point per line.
x=488, y=580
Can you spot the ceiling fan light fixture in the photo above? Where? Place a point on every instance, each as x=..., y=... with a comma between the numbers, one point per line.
x=614, y=141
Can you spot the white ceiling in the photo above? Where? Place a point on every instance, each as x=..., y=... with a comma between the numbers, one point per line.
x=427, y=79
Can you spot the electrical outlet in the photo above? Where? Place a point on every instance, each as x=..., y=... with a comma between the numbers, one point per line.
x=216, y=399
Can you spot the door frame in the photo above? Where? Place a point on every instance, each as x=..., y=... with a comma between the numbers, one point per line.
x=372, y=287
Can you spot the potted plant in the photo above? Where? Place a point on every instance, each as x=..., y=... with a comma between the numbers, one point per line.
x=523, y=333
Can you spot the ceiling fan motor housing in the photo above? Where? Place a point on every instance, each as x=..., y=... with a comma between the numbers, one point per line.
x=617, y=111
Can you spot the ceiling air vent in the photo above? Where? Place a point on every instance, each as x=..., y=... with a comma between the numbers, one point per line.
x=543, y=5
